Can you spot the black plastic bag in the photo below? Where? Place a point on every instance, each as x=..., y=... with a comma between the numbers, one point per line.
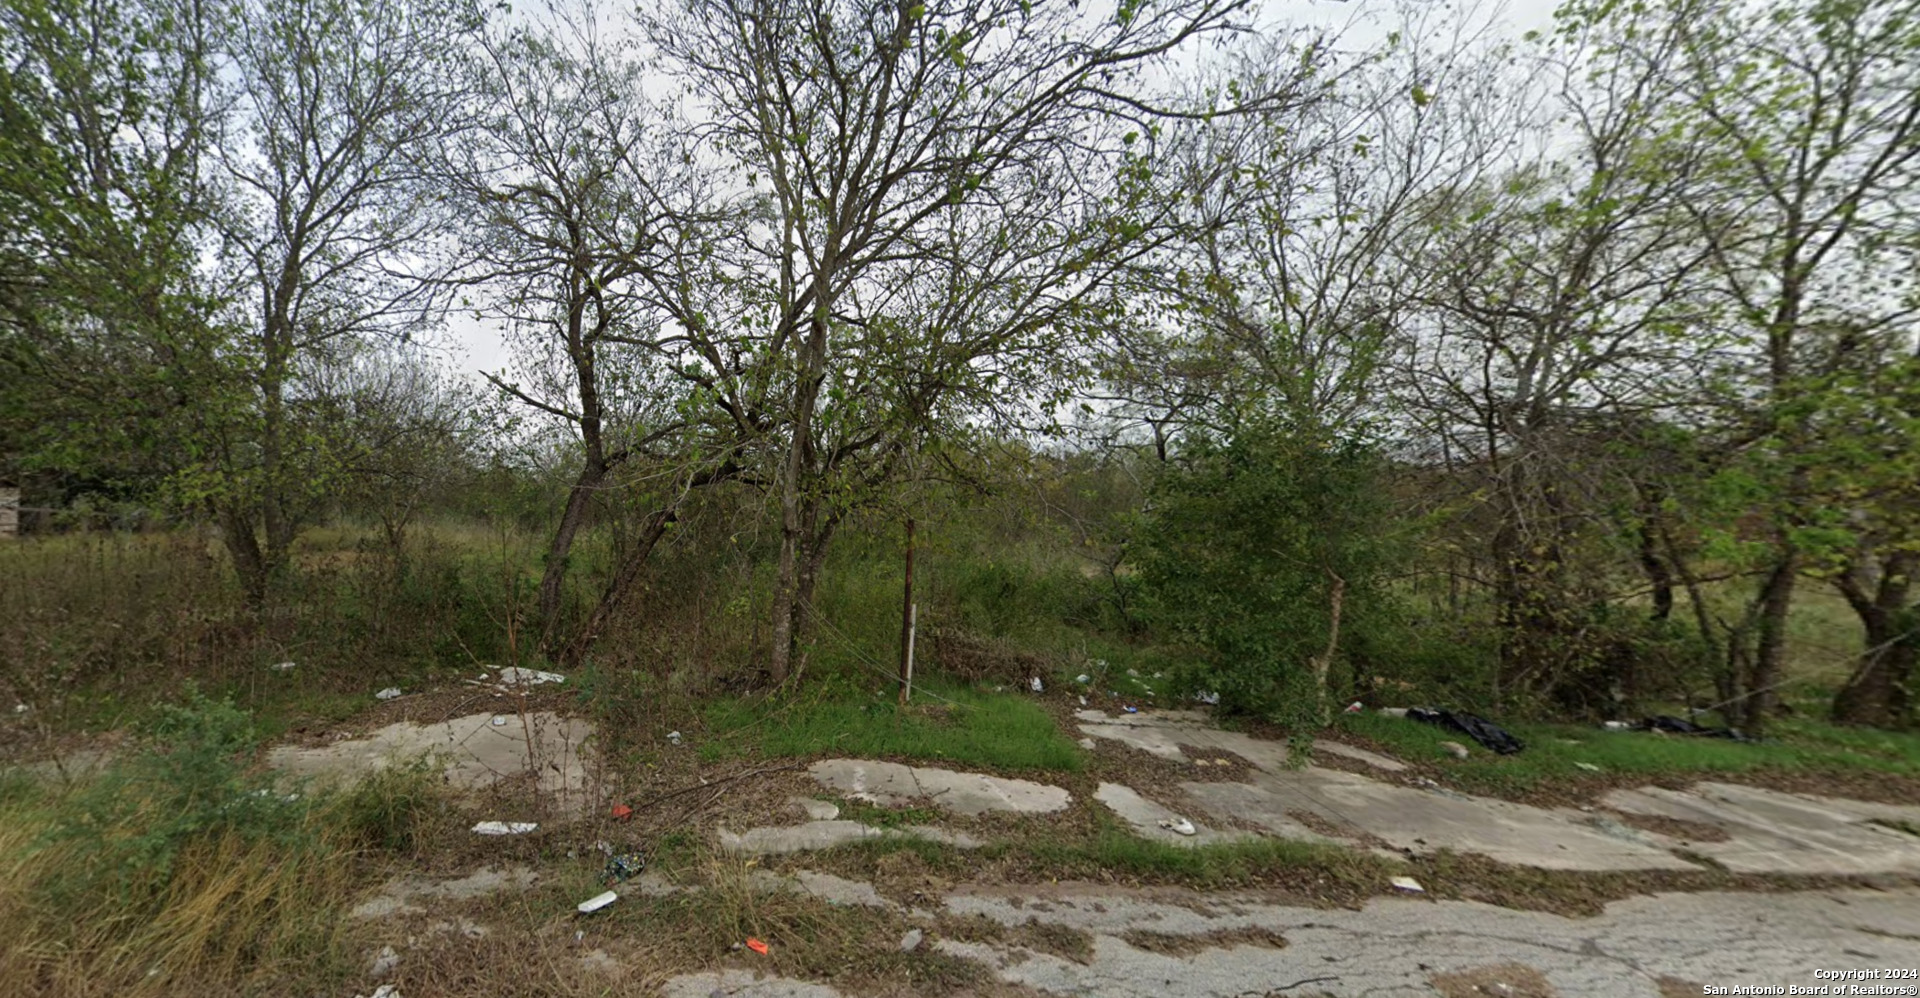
x=1680, y=726
x=1492, y=736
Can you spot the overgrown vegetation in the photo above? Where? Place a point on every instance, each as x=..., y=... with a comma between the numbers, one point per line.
x=1563, y=376
x=180, y=866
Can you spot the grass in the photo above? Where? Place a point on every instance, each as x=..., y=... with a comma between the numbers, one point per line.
x=179, y=870
x=1554, y=752
x=947, y=723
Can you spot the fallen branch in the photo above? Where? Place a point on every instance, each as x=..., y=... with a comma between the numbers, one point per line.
x=671, y=794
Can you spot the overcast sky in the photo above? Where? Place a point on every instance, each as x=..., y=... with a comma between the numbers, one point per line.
x=475, y=346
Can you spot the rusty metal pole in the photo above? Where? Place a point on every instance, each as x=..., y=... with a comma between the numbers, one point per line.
x=906, y=618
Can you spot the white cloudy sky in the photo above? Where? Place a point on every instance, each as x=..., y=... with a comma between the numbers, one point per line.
x=474, y=346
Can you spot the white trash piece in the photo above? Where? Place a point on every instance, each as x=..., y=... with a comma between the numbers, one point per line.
x=387, y=694
x=505, y=827
x=1408, y=884
x=499, y=720
x=597, y=902
x=674, y=737
x=513, y=675
x=1083, y=679
x=1035, y=683
x=1617, y=726
x=281, y=667
x=1392, y=712
x=1210, y=699
x=1589, y=767
x=1179, y=826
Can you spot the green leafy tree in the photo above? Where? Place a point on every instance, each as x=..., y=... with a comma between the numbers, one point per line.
x=948, y=194
x=1256, y=548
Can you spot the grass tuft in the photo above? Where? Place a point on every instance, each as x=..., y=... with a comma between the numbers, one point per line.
x=963, y=726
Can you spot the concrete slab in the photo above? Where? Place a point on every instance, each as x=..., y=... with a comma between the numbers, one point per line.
x=828, y=834
x=411, y=894
x=1145, y=817
x=1162, y=733
x=839, y=890
x=817, y=810
x=889, y=783
x=1774, y=832
x=76, y=766
x=1394, y=946
x=475, y=753
x=1416, y=820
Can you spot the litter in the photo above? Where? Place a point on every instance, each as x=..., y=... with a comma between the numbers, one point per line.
x=621, y=812
x=1083, y=679
x=674, y=737
x=596, y=902
x=483, y=677
x=911, y=941
x=514, y=675
x=505, y=827
x=384, y=962
x=1455, y=749
x=387, y=694
x=21, y=708
x=1392, y=712
x=1179, y=826
x=1131, y=710
x=1617, y=726
x=1677, y=726
x=757, y=946
x=1210, y=699
x=1135, y=673
x=623, y=867
x=1354, y=707
x=1035, y=683
x=1589, y=767
x=1477, y=728
x=499, y=722
x=1408, y=884
x=1083, y=702
x=281, y=667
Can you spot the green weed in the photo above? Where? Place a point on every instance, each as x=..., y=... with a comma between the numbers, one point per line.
x=945, y=723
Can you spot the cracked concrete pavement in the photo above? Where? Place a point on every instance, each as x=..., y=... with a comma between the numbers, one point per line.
x=1394, y=946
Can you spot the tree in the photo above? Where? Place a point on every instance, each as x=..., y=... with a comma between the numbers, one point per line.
x=1806, y=119
x=331, y=208
x=1256, y=548
x=1557, y=291
x=103, y=111
x=941, y=218
x=593, y=226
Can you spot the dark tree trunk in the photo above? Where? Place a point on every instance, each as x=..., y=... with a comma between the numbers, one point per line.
x=553, y=578
x=1659, y=573
x=619, y=588
x=1770, y=645
x=1877, y=693
x=249, y=563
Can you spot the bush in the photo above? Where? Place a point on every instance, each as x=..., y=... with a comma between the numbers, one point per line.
x=1249, y=540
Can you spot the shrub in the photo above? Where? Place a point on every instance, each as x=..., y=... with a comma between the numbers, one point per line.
x=1249, y=541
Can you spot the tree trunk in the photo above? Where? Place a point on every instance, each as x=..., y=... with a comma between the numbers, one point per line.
x=237, y=533
x=1770, y=648
x=1659, y=573
x=1876, y=694
x=619, y=587
x=553, y=578
x=804, y=608
x=1323, y=663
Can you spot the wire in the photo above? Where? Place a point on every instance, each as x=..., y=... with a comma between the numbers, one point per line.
x=862, y=658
